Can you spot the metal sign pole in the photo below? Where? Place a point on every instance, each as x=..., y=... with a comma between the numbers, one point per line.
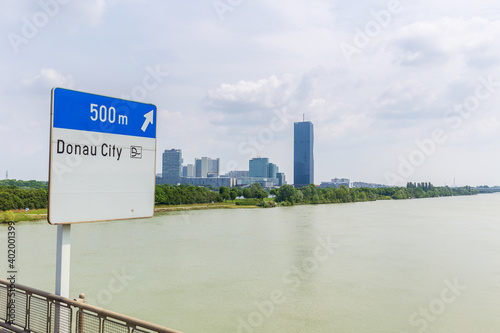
x=63, y=259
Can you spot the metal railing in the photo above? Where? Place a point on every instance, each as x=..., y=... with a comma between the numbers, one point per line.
x=42, y=312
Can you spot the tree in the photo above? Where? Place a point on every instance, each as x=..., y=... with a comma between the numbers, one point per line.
x=224, y=192
x=233, y=193
x=247, y=193
x=285, y=193
x=255, y=188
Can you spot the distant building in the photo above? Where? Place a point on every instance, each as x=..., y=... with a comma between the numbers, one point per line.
x=303, y=155
x=209, y=181
x=336, y=182
x=172, y=166
x=238, y=174
x=272, y=170
x=281, y=178
x=201, y=167
x=369, y=185
x=248, y=181
x=258, y=167
x=213, y=167
x=188, y=170
x=205, y=166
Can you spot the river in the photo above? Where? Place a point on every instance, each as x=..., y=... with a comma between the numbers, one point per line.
x=428, y=265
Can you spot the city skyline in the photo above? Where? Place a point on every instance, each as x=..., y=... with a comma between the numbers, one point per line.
x=398, y=91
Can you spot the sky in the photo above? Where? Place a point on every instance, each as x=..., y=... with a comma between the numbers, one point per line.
x=397, y=90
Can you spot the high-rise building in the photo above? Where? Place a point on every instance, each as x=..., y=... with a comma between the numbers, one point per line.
x=303, y=158
x=259, y=167
x=205, y=167
x=238, y=174
x=172, y=166
x=272, y=170
x=201, y=167
x=213, y=167
x=188, y=170
x=281, y=178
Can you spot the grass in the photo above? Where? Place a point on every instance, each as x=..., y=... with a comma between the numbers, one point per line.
x=21, y=215
x=217, y=205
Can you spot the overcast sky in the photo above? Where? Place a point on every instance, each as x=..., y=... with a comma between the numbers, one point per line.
x=397, y=91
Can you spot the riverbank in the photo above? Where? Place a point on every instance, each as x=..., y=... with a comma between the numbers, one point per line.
x=41, y=214
x=22, y=215
x=216, y=205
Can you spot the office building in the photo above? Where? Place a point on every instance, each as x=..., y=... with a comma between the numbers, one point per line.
x=205, y=167
x=172, y=166
x=214, y=182
x=213, y=167
x=336, y=182
x=303, y=155
x=188, y=170
x=258, y=167
x=272, y=170
x=201, y=167
x=281, y=178
x=238, y=174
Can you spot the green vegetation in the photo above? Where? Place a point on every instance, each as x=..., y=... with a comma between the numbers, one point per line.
x=255, y=191
x=288, y=195
x=25, y=184
x=22, y=215
x=427, y=190
x=246, y=202
x=185, y=195
x=8, y=216
x=13, y=197
x=16, y=195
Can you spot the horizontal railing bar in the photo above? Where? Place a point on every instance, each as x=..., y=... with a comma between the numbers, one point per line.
x=99, y=311
x=12, y=328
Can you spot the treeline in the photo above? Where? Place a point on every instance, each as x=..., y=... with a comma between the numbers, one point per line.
x=427, y=190
x=18, y=194
x=311, y=194
x=12, y=197
x=289, y=195
x=184, y=195
x=25, y=184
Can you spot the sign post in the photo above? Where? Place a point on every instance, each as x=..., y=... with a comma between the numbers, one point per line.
x=102, y=165
x=63, y=256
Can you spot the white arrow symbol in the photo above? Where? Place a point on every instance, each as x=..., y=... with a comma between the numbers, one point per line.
x=149, y=120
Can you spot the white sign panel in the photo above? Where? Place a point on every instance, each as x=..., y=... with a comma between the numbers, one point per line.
x=102, y=158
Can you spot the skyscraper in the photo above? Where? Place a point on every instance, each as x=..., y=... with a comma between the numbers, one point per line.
x=201, y=167
x=259, y=167
x=172, y=166
x=206, y=167
x=213, y=167
x=303, y=158
x=272, y=170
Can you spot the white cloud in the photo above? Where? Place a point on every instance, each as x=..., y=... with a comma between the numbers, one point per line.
x=265, y=93
x=49, y=78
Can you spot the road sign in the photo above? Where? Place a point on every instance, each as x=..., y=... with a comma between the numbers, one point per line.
x=102, y=158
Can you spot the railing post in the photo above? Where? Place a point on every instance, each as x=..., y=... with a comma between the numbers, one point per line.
x=80, y=324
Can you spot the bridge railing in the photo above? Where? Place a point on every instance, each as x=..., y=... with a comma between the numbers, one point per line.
x=25, y=309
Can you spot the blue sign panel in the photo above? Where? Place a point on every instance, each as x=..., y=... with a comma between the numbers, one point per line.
x=94, y=113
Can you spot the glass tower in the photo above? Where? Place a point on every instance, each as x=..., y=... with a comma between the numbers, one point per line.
x=172, y=166
x=303, y=158
x=258, y=167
